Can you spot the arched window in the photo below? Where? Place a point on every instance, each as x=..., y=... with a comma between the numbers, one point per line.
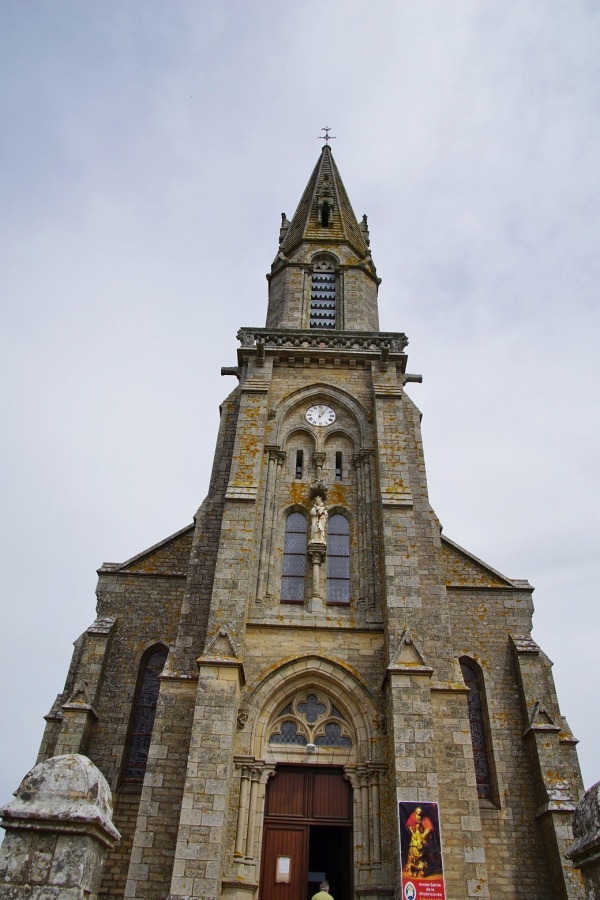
x=294, y=559
x=338, y=560
x=474, y=682
x=322, y=295
x=143, y=713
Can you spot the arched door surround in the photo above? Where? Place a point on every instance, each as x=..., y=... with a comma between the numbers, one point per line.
x=309, y=712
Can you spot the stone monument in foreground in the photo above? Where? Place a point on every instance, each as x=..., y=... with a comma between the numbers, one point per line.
x=58, y=829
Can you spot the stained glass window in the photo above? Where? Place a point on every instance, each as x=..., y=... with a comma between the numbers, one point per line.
x=288, y=734
x=312, y=708
x=338, y=560
x=143, y=716
x=333, y=737
x=294, y=559
x=478, y=732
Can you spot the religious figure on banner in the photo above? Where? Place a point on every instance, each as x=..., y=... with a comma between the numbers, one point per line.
x=318, y=521
x=422, y=871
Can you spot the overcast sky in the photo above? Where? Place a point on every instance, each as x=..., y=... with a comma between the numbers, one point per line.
x=147, y=151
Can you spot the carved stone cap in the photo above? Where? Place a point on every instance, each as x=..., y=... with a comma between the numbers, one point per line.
x=524, y=643
x=65, y=793
x=586, y=829
x=101, y=625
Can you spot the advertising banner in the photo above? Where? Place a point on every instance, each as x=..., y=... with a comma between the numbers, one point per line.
x=421, y=850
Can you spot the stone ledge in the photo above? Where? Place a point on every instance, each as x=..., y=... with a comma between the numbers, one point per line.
x=371, y=341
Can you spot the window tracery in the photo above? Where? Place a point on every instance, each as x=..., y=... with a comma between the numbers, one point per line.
x=310, y=718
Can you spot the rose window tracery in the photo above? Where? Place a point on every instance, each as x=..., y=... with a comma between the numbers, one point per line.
x=310, y=718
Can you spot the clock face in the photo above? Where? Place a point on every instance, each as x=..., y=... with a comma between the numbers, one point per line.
x=320, y=415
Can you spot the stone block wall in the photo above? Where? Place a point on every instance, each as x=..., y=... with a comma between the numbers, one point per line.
x=125, y=812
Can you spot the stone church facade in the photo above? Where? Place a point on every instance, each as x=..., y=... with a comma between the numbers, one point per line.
x=263, y=689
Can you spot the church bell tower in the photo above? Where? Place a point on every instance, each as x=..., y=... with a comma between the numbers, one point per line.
x=310, y=682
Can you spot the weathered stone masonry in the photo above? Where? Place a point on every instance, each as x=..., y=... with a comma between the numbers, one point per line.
x=259, y=683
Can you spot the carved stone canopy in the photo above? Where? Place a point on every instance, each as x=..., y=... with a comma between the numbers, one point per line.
x=318, y=489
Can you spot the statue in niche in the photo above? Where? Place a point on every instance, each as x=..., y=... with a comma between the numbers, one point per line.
x=318, y=522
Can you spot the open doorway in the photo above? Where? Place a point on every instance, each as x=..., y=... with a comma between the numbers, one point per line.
x=330, y=859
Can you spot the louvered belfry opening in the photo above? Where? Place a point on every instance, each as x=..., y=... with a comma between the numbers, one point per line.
x=322, y=296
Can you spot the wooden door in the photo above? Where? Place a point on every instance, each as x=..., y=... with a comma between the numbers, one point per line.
x=311, y=793
x=285, y=856
x=301, y=798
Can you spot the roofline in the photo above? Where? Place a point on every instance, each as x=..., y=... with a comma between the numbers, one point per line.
x=109, y=567
x=510, y=582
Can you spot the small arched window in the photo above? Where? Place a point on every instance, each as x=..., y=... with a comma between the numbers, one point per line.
x=322, y=295
x=294, y=559
x=474, y=682
x=143, y=713
x=338, y=560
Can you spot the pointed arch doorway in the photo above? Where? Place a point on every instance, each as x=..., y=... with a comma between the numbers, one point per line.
x=307, y=835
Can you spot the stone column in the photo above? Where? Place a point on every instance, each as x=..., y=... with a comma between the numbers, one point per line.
x=241, y=882
x=318, y=462
x=361, y=529
x=57, y=831
x=276, y=460
x=376, y=816
x=254, y=788
x=363, y=780
x=317, y=554
x=371, y=537
x=242, y=820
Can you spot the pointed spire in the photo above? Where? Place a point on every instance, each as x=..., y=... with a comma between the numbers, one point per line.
x=323, y=276
x=324, y=212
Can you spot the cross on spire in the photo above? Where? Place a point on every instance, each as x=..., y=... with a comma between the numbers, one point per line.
x=327, y=137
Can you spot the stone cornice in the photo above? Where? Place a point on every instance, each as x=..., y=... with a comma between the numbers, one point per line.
x=372, y=342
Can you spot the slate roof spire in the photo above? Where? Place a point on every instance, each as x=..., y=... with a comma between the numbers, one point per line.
x=324, y=213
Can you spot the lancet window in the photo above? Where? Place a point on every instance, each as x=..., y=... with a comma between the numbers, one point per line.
x=474, y=682
x=294, y=559
x=310, y=718
x=322, y=296
x=143, y=714
x=338, y=560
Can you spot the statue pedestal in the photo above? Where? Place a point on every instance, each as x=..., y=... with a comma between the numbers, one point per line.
x=317, y=553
